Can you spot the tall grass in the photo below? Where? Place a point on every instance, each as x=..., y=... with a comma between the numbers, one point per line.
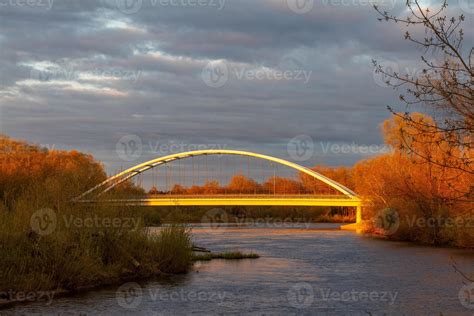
x=74, y=257
x=172, y=249
x=85, y=248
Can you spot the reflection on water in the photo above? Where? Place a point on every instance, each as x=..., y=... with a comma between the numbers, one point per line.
x=315, y=269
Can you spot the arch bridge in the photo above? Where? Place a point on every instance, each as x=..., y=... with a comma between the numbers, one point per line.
x=345, y=198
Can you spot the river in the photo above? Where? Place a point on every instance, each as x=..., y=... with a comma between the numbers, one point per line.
x=311, y=269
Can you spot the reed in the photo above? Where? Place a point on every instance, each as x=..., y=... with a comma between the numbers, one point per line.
x=75, y=256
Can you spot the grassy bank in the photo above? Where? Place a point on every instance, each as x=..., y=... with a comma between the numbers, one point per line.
x=71, y=258
x=49, y=244
x=437, y=230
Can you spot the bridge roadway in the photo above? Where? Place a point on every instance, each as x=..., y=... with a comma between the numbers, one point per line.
x=239, y=200
x=235, y=200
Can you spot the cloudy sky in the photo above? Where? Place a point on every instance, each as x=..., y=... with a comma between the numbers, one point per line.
x=261, y=75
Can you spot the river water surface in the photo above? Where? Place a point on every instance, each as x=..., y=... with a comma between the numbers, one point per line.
x=313, y=270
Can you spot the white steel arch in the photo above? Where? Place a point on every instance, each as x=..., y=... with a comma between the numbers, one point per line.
x=123, y=176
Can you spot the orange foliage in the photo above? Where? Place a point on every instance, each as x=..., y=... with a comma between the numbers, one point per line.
x=240, y=184
x=279, y=185
x=55, y=175
x=415, y=187
x=212, y=187
x=342, y=175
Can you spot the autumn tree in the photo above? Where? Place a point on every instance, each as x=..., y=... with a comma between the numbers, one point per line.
x=444, y=85
x=153, y=190
x=178, y=189
x=447, y=183
x=406, y=182
x=44, y=177
x=212, y=187
x=280, y=185
x=241, y=184
x=195, y=190
x=342, y=175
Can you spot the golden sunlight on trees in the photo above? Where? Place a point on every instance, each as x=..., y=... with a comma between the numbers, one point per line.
x=36, y=186
x=444, y=84
x=416, y=187
x=35, y=177
x=280, y=185
x=431, y=173
x=212, y=187
x=240, y=184
x=58, y=175
x=342, y=175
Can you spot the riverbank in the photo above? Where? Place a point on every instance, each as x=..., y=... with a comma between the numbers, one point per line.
x=64, y=259
x=50, y=245
x=400, y=232
x=47, y=296
x=312, y=261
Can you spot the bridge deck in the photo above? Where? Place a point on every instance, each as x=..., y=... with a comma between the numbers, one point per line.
x=236, y=200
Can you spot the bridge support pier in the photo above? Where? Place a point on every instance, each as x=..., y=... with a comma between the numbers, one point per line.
x=358, y=214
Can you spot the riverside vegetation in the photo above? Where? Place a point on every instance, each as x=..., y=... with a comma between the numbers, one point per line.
x=83, y=246
x=90, y=246
x=75, y=246
x=429, y=203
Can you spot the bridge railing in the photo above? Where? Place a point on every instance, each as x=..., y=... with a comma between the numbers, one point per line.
x=241, y=196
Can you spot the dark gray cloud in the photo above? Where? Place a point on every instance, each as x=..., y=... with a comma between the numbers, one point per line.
x=84, y=74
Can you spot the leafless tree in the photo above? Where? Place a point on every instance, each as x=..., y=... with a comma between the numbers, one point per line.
x=444, y=84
